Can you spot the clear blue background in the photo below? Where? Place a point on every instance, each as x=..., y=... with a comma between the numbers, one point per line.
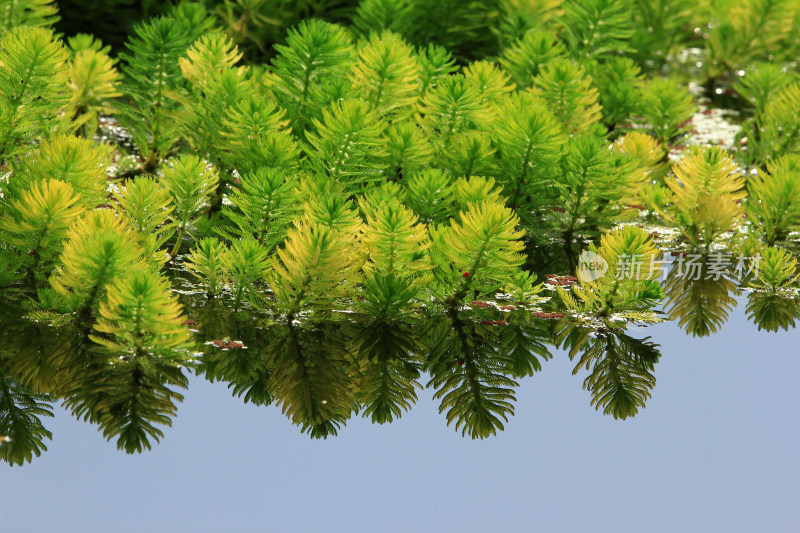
x=716, y=450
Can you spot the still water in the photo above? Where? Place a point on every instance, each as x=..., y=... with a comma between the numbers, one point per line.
x=705, y=436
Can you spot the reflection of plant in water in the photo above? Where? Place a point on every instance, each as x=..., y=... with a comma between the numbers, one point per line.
x=772, y=311
x=20, y=421
x=699, y=302
x=775, y=306
x=523, y=342
x=471, y=376
x=620, y=367
x=390, y=365
x=313, y=377
x=39, y=356
x=245, y=370
x=37, y=363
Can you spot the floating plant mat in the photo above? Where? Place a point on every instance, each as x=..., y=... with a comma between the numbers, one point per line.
x=331, y=213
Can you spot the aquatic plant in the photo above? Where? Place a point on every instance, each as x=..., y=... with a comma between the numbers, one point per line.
x=385, y=75
x=209, y=262
x=143, y=349
x=666, y=108
x=151, y=69
x=254, y=136
x=628, y=287
x=249, y=263
x=747, y=31
x=36, y=225
x=529, y=141
x=617, y=81
x=595, y=28
x=316, y=264
x=524, y=57
x=590, y=187
x=477, y=252
x=215, y=86
x=398, y=264
x=315, y=52
x=777, y=269
x=191, y=183
x=99, y=248
x=33, y=87
x=567, y=90
x=773, y=132
x=707, y=188
x=660, y=27
x=33, y=13
x=147, y=205
x=79, y=162
x=94, y=82
x=346, y=145
x=773, y=207
x=761, y=82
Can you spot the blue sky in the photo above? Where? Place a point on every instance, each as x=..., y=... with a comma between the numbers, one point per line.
x=716, y=449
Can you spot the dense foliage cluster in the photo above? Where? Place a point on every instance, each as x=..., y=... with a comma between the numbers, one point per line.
x=396, y=158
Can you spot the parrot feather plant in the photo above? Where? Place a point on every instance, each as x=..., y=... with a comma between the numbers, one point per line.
x=33, y=87
x=477, y=252
x=707, y=188
x=142, y=349
x=629, y=286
